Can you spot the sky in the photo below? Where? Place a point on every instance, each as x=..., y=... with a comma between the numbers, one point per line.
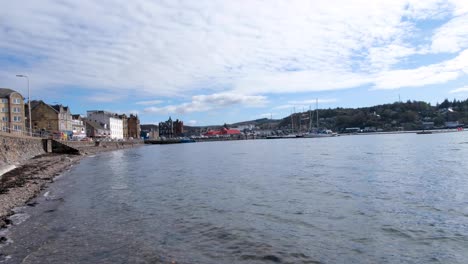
x=214, y=62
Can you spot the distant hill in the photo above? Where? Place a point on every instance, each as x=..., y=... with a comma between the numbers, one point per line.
x=263, y=123
x=408, y=115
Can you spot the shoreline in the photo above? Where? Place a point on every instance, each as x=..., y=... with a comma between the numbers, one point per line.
x=24, y=182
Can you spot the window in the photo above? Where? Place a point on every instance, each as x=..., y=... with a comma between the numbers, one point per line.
x=4, y=100
x=17, y=101
x=17, y=118
x=4, y=128
x=16, y=110
x=5, y=110
x=5, y=118
x=17, y=128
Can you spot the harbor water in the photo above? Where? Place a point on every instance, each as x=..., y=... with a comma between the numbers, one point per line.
x=349, y=199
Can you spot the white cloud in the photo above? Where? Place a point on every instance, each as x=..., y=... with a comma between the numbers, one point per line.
x=305, y=103
x=265, y=115
x=179, y=49
x=451, y=37
x=201, y=103
x=426, y=75
x=104, y=97
x=150, y=102
x=291, y=82
x=460, y=90
x=313, y=101
x=382, y=58
x=192, y=122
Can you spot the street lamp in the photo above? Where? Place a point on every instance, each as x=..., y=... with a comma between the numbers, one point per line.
x=29, y=103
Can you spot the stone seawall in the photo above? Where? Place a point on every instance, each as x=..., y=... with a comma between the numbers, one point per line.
x=17, y=149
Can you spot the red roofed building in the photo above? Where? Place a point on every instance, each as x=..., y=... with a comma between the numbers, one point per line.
x=222, y=132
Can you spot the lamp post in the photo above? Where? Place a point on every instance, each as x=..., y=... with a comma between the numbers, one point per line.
x=29, y=103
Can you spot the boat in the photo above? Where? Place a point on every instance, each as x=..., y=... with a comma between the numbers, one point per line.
x=318, y=133
x=423, y=132
x=187, y=140
x=274, y=137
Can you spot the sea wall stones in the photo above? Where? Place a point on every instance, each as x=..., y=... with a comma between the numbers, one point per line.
x=15, y=149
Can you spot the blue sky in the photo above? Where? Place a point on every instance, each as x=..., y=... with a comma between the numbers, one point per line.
x=213, y=62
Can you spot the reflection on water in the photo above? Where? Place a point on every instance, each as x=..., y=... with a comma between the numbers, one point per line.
x=359, y=199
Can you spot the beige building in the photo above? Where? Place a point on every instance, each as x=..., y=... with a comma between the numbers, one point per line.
x=124, y=125
x=51, y=118
x=12, y=117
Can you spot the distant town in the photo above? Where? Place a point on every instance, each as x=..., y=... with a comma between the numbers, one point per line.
x=57, y=121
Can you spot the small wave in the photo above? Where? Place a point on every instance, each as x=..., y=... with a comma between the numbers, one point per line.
x=396, y=232
x=271, y=258
x=19, y=218
x=119, y=187
x=4, y=258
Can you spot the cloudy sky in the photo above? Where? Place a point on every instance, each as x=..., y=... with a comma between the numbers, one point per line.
x=210, y=62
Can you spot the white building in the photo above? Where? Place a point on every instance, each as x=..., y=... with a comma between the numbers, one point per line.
x=109, y=120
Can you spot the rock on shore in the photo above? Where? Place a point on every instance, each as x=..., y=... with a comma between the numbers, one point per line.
x=23, y=183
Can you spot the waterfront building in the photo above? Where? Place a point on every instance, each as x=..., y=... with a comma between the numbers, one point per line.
x=170, y=129
x=166, y=129
x=149, y=131
x=178, y=128
x=78, y=127
x=427, y=124
x=111, y=120
x=452, y=124
x=134, y=128
x=51, y=119
x=96, y=130
x=223, y=131
x=352, y=130
x=124, y=125
x=12, y=118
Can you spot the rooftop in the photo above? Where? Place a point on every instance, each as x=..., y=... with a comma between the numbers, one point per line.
x=4, y=92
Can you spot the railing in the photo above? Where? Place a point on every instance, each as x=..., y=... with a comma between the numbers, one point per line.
x=35, y=133
x=52, y=135
x=20, y=132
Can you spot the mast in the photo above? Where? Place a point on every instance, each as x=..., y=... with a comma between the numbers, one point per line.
x=292, y=123
x=316, y=109
x=310, y=119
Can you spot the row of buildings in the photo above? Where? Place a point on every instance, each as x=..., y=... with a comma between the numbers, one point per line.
x=58, y=121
